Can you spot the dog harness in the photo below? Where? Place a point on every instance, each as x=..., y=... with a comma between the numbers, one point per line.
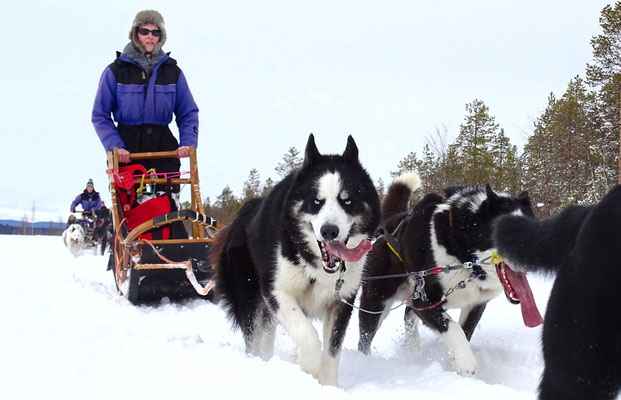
x=419, y=282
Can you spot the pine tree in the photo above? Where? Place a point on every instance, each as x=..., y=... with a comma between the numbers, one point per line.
x=439, y=163
x=291, y=160
x=208, y=208
x=431, y=174
x=408, y=164
x=605, y=75
x=564, y=158
x=474, y=142
x=538, y=162
x=269, y=185
x=506, y=167
x=227, y=206
x=252, y=185
x=381, y=189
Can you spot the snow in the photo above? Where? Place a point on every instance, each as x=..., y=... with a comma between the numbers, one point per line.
x=68, y=335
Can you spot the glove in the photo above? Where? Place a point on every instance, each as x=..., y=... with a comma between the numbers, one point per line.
x=72, y=210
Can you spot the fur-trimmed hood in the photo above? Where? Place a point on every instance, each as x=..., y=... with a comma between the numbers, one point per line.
x=147, y=17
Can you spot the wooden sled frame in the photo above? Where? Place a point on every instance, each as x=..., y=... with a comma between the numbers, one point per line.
x=128, y=247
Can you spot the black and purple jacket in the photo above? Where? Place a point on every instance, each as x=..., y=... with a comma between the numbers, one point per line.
x=88, y=201
x=134, y=97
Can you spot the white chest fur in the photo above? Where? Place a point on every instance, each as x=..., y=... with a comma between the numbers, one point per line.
x=312, y=288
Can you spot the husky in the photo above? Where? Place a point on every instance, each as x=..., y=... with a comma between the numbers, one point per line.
x=281, y=258
x=74, y=238
x=450, y=237
x=580, y=245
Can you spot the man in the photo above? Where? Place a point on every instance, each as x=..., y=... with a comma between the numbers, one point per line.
x=89, y=199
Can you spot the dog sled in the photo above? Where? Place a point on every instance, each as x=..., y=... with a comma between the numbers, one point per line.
x=88, y=221
x=158, y=250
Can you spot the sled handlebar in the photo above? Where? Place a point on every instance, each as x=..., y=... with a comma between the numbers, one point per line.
x=153, y=154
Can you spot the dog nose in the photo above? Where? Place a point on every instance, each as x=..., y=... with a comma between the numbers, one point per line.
x=329, y=232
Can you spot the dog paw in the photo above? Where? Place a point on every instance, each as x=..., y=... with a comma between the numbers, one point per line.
x=326, y=378
x=463, y=364
x=310, y=361
x=328, y=371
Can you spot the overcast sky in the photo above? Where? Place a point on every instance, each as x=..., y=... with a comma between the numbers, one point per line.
x=267, y=73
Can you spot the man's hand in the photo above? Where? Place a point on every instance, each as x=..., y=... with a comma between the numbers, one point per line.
x=183, y=151
x=124, y=156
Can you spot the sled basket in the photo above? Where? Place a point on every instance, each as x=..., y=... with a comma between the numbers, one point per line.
x=158, y=251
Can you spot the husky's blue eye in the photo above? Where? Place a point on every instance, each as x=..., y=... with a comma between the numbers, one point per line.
x=316, y=201
x=347, y=202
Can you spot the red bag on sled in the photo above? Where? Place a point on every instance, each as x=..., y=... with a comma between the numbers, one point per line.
x=146, y=211
x=143, y=212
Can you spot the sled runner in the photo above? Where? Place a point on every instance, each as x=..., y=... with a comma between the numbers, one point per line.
x=153, y=253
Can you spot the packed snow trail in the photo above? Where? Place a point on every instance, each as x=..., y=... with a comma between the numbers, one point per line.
x=68, y=335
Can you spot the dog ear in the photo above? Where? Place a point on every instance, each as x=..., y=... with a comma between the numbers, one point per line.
x=490, y=193
x=527, y=207
x=524, y=196
x=351, y=150
x=311, y=154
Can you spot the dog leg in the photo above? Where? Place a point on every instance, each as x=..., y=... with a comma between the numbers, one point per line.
x=334, y=329
x=269, y=334
x=410, y=319
x=104, y=243
x=469, y=318
x=368, y=325
x=302, y=332
x=460, y=356
x=376, y=296
x=254, y=334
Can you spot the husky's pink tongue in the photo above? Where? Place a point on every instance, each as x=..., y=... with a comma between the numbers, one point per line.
x=519, y=283
x=347, y=254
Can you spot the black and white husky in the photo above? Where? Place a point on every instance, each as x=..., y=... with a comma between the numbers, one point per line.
x=441, y=231
x=582, y=328
x=279, y=260
x=74, y=238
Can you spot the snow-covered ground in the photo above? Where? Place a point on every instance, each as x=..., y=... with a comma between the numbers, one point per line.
x=66, y=334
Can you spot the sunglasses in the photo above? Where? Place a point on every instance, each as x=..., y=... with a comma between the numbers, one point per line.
x=145, y=32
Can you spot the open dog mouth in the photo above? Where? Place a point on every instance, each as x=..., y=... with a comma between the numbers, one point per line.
x=501, y=270
x=518, y=291
x=332, y=253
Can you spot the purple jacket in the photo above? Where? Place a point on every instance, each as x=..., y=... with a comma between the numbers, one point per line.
x=133, y=97
x=88, y=201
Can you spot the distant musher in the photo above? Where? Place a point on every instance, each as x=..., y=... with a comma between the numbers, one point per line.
x=89, y=200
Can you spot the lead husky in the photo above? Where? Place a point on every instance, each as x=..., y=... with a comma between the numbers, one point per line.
x=279, y=260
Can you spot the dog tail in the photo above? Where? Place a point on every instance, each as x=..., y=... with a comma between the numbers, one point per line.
x=234, y=272
x=398, y=196
x=539, y=245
